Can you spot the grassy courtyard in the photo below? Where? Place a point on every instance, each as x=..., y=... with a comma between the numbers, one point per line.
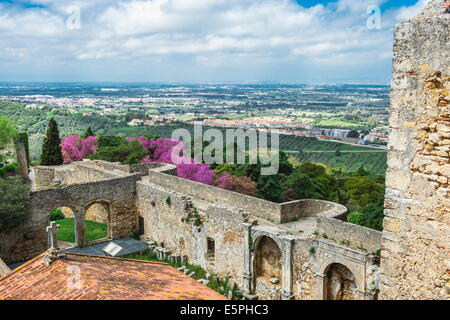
x=94, y=230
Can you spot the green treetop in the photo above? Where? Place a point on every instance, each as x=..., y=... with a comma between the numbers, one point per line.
x=7, y=131
x=51, y=148
x=88, y=133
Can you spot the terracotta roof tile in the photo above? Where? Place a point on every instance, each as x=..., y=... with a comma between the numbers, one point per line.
x=101, y=278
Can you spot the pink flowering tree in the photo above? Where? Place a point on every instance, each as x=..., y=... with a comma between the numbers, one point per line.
x=75, y=149
x=197, y=172
x=165, y=150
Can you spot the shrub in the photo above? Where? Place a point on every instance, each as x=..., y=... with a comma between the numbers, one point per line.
x=127, y=152
x=109, y=141
x=7, y=131
x=13, y=202
x=57, y=215
x=168, y=200
x=355, y=217
x=9, y=169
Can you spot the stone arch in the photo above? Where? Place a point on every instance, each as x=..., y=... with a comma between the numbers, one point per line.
x=353, y=269
x=98, y=211
x=268, y=258
x=256, y=237
x=69, y=212
x=339, y=283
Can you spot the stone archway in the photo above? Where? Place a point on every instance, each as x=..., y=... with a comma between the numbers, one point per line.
x=339, y=283
x=268, y=259
x=64, y=217
x=96, y=221
x=268, y=268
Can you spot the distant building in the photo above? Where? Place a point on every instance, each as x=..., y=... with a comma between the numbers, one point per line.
x=136, y=122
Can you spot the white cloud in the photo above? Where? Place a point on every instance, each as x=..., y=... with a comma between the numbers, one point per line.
x=406, y=13
x=209, y=33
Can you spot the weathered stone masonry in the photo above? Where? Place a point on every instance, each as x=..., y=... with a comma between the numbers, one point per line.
x=82, y=185
x=264, y=247
x=415, y=262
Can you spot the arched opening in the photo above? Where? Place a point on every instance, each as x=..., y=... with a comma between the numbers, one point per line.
x=339, y=283
x=211, y=251
x=267, y=262
x=64, y=217
x=97, y=222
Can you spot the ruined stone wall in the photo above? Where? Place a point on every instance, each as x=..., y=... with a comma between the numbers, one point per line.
x=30, y=239
x=293, y=210
x=264, y=209
x=304, y=266
x=44, y=177
x=348, y=234
x=415, y=262
x=166, y=222
x=274, y=212
x=97, y=213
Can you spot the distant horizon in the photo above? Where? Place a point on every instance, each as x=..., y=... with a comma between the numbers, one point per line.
x=274, y=82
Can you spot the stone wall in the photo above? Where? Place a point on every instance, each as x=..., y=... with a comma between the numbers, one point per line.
x=97, y=212
x=294, y=210
x=166, y=223
x=44, y=177
x=271, y=211
x=415, y=262
x=117, y=194
x=349, y=234
x=261, y=208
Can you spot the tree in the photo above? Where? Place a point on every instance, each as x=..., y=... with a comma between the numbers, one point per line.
x=363, y=191
x=374, y=215
x=355, y=217
x=353, y=134
x=75, y=149
x=88, y=133
x=285, y=165
x=109, y=141
x=362, y=172
x=242, y=185
x=51, y=148
x=128, y=152
x=301, y=186
x=270, y=188
x=7, y=131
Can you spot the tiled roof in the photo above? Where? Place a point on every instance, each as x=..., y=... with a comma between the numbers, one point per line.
x=101, y=278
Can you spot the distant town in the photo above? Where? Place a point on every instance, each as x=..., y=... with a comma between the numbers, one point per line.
x=353, y=114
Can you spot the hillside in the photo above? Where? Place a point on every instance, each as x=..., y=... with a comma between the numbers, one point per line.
x=306, y=148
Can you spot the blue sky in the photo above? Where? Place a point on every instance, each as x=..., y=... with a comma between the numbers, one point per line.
x=199, y=40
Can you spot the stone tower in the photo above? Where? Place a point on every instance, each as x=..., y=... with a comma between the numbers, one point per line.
x=416, y=238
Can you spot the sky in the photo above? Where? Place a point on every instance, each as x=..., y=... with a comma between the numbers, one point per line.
x=229, y=41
